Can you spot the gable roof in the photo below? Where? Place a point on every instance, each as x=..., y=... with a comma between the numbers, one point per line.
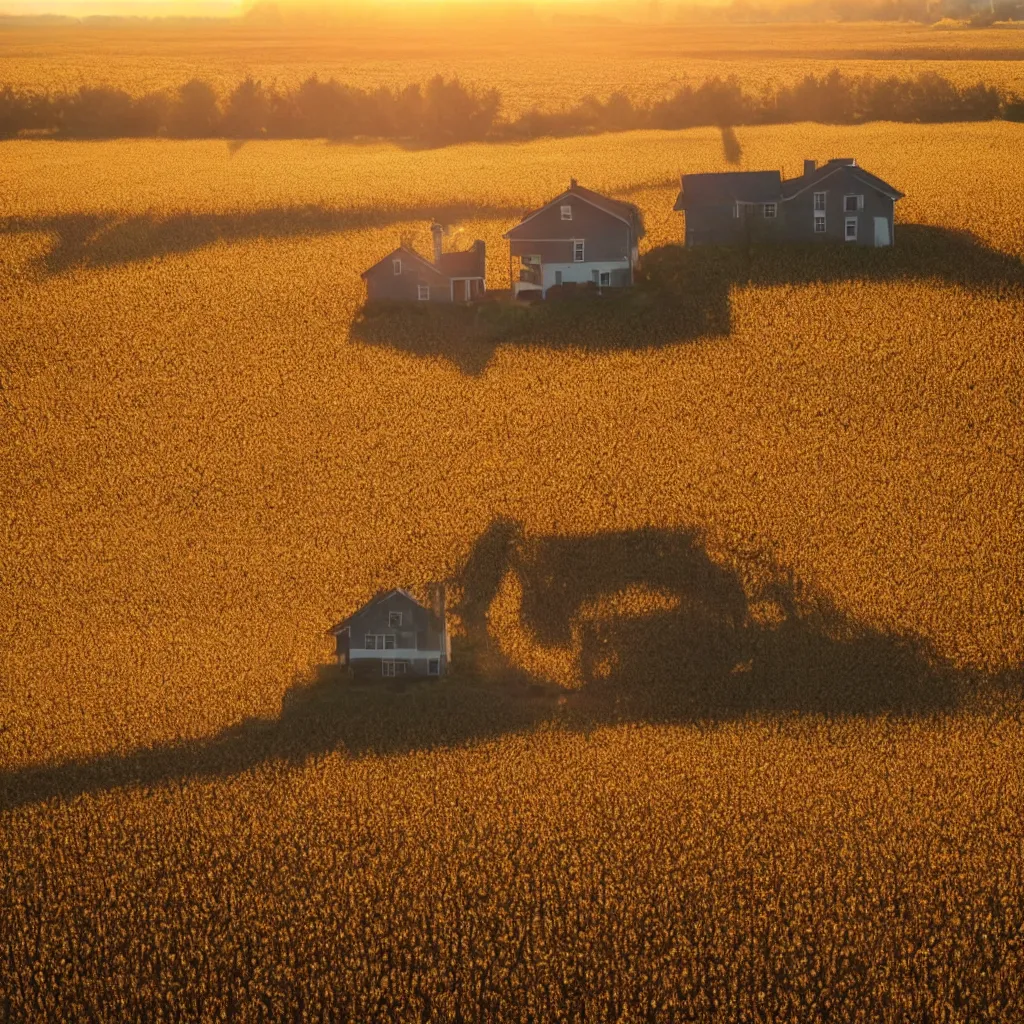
x=378, y=598
x=729, y=187
x=404, y=252
x=626, y=212
x=464, y=264
x=795, y=186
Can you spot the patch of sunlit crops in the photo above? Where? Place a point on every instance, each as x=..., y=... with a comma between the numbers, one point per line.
x=209, y=457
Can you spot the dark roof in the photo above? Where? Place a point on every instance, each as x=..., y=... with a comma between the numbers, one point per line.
x=628, y=212
x=794, y=186
x=376, y=599
x=728, y=187
x=464, y=264
x=405, y=252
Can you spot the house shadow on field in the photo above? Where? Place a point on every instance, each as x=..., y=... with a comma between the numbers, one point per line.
x=83, y=240
x=648, y=625
x=681, y=295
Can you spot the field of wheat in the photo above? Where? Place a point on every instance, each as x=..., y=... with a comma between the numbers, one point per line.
x=560, y=66
x=736, y=586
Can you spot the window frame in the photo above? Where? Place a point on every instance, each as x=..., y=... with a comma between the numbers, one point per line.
x=420, y=296
x=579, y=250
x=850, y=222
x=433, y=666
x=604, y=279
x=387, y=668
x=396, y=268
x=823, y=196
x=774, y=207
x=565, y=211
x=859, y=205
x=392, y=616
x=820, y=218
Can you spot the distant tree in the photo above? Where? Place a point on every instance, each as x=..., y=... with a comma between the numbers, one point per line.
x=21, y=110
x=247, y=111
x=195, y=114
x=453, y=113
x=96, y=113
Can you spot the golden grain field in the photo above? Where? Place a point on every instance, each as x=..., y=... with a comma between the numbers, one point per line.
x=209, y=456
x=646, y=61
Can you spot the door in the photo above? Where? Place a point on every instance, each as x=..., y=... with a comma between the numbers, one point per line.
x=558, y=277
x=881, y=231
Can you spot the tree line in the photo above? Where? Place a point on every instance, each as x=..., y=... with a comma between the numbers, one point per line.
x=446, y=111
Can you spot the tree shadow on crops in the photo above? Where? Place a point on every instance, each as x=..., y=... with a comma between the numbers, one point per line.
x=681, y=295
x=651, y=628
x=108, y=240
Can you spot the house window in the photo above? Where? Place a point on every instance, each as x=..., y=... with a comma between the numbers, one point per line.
x=388, y=668
x=434, y=667
x=770, y=210
x=423, y=292
x=396, y=266
x=389, y=641
x=851, y=229
x=606, y=278
x=577, y=251
x=819, y=202
x=567, y=212
x=851, y=204
x=819, y=223
x=394, y=618
x=380, y=641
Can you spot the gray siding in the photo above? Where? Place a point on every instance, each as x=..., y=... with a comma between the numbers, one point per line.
x=419, y=631
x=715, y=224
x=606, y=237
x=800, y=211
x=382, y=284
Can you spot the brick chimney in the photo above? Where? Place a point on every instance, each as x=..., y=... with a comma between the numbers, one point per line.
x=809, y=167
x=436, y=231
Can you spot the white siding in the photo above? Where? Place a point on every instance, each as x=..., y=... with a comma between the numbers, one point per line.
x=578, y=273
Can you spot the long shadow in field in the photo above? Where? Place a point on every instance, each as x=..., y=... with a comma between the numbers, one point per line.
x=681, y=295
x=107, y=240
x=648, y=626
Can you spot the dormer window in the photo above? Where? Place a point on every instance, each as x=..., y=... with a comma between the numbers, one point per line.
x=394, y=619
x=566, y=212
x=396, y=267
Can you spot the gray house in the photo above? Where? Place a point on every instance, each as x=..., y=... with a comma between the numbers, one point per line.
x=406, y=276
x=837, y=202
x=395, y=635
x=579, y=237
